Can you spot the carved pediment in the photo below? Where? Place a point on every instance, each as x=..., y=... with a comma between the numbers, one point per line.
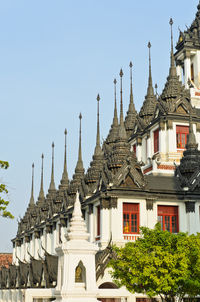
x=181, y=110
x=128, y=182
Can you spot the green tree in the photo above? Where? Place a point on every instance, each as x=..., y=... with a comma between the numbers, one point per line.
x=3, y=191
x=159, y=264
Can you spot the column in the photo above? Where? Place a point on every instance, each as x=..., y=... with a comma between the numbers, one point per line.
x=191, y=217
x=91, y=222
x=105, y=222
x=151, y=212
x=139, y=149
x=179, y=72
x=187, y=68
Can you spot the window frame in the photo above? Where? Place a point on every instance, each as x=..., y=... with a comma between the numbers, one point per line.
x=130, y=209
x=168, y=212
x=182, y=132
x=156, y=140
x=98, y=222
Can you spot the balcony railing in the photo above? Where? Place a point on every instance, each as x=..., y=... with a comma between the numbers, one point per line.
x=131, y=237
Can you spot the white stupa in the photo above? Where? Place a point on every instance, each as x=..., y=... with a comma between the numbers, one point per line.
x=76, y=262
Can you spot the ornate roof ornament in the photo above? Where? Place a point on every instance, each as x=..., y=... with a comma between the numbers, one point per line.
x=149, y=104
x=122, y=131
x=120, y=146
x=97, y=163
x=52, y=187
x=64, y=183
x=41, y=194
x=32, y=187
x=131, y=113
x=191, y=36
x=114, y=127
x=79, y=170
x=173, y=86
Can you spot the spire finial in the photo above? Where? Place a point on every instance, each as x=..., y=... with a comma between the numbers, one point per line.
x=172, y=64
x=115, y=119
x=79, y=165
x=32, y=187
x=121, y=99
x=80, y=151
x=98, y=130
x=52, y=183
x=41, y=194
x=64, y=180
x=131, y=82
x=150, y=85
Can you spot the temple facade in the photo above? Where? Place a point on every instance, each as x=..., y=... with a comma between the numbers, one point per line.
x=147, y=170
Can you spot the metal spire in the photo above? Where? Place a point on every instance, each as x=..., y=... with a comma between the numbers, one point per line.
x=65, y=174
x=150, y=91
x=115, y=118
x=79, y=165
x=121, y=99
x=41, y=194
x=122, y=131
x=32, y=187
x=52, y=183
x=98, y=147
x=172, y=64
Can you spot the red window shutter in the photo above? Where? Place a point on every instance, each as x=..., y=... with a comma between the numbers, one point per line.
x=134, y=148
x=130, y=218
x=168, y=218
x=156, y=140
x=181, y=136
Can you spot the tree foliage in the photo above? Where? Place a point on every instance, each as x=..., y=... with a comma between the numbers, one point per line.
x=3, y=191
x=159, y=264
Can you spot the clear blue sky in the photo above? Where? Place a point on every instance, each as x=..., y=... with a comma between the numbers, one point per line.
x=55, y=56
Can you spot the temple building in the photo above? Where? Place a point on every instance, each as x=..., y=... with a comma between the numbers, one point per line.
x=147, y=170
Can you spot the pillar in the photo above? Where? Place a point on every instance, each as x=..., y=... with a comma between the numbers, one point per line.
x=187, y=68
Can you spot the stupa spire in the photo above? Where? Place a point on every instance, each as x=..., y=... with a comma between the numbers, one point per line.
x=32, y=187
x=41, y=194
x=64, y=180
x=52, y=183
x=122, y=131
x=98, y=147
x=77, y=227
x=79, y=165
x=131, y=113
x=150, y=91
x=115, y=118
x=172, y=71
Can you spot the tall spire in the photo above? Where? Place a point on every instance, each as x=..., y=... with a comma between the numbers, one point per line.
x=150, y=91
x=41, y=194
x=96, y=164
x=172, y=71
x=148, y=107
x=52, y=183
x=79, y=170
x=122, y=131
x=79, y=165
x=32, y=187
x=64, y=180
x=131, y=113
x=114, y=127
x=115, y=118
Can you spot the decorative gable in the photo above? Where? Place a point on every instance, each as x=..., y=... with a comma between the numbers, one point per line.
x=128, y=182
x=181, y=110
